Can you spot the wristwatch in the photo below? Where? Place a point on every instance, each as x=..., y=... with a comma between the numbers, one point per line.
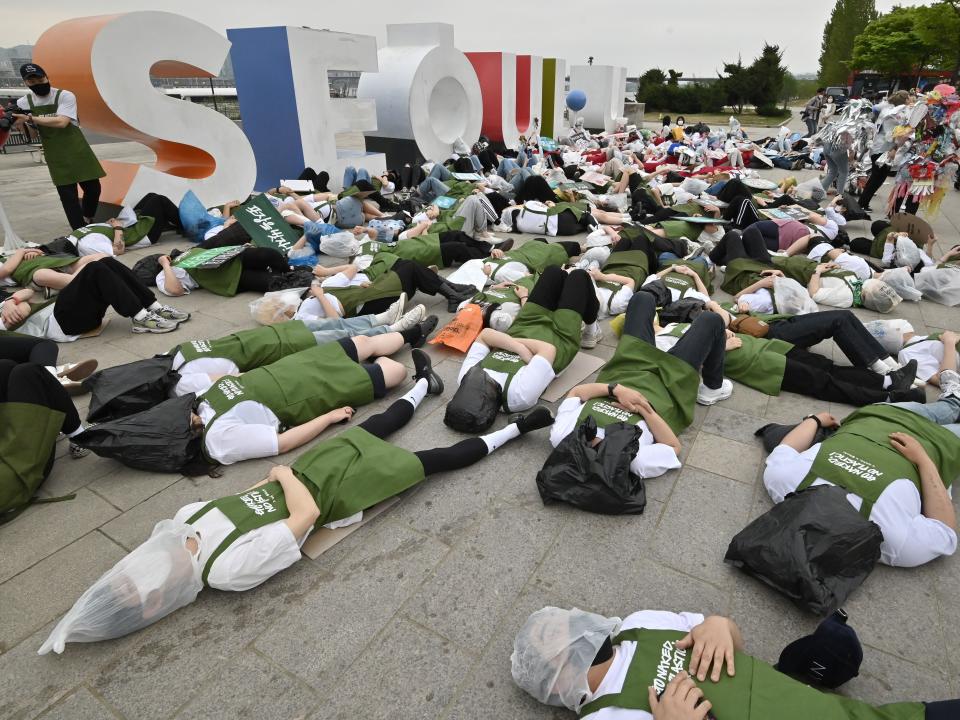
x=816, y=420
x=610, y=389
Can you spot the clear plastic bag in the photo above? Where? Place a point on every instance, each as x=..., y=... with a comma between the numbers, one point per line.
x=276, y=307
x=158, y=577
x=341, y=245
x=792, y=298
x=907, y=254
x=901, y=281
x=889, y=333
x=941, y=285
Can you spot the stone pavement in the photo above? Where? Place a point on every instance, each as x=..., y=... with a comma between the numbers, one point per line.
x=414, y=615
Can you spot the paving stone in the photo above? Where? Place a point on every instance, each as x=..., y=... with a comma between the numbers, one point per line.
x=790, y=408
x=80, y=705
x=732, y=459
x=44, y=529
x=886, y=678
x=746, y=400
x=939, y=317
x=125, y=487
x=732, y=425
x=42, y=593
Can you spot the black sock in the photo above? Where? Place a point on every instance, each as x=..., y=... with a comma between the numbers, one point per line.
x=411, y=335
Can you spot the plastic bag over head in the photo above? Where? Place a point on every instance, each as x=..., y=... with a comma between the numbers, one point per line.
x=792, y=298
x=901, y=281
x=907, y=253
x=474, y=406
x=158, y=577
x=554, y=650
x=889, y=333
x=131, y=388
x=275, y=307
x=877, y=295
x=342, y=244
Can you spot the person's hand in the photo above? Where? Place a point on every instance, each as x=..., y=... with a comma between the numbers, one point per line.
x=821, y=268
x=909, y=447
x=679, y=700
x=769, y=281
x=712, y=643
x=164, y=261
x=358, y=230
x=19, y=120
x=772, y=273
x=14, y=313
x=277, y=470
x=595, y=273
x=733, y=342
x=339, y=415
x=31, y=253
x=949, y=337
x=115, y=224
x=521, y=292
x=632, y=400
x=828, y=420
x=365, y=284
x=496, y=253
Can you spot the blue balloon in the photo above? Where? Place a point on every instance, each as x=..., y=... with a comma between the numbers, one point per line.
x=576, y=100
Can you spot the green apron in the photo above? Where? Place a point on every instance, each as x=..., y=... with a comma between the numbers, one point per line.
x=860, y=459
x=676, y=229
x=23, y=275
x=28, y=434
x=385, y=284
x=797, y=267
x=633, y=264
x=876, y=248
x=424, y=249
x=131, y=235
x=741, y=273
x=66, y=151
x=222, y=280
x=537, y=256
x=250, y=349
x=448, y=220
x=668, y=383
x=577, y=208
x=507, y=294
x=614, y=288
x=346, y=474
x=759, y=363
x=684, y=283
x=297, y=388
x=756, y=692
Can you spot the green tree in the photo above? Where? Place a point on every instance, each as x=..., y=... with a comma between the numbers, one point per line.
x=847, y=21
x=790, y=89
x=938, y=26
x=736, y=84
x=892, y=44
x=674, y=77
x=766, y=80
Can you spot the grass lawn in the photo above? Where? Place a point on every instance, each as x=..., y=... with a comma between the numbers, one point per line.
x=748, y=118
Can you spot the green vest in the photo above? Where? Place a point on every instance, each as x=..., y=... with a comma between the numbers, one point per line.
x=424, y=249
x=741, y=273
x=668, y=383
x=508, y=363
x=684, y=283
x=876, y=248
x=577, y=208
x=675, y=229
x=506, y=294
x=385, y=284
x=797, y=267
x=297, y=388
x=756, y=692
x=860, y=459
x=633, y=264
x=222, y=280
x=66, y=151
x=759, y=363
x=131, y=235
x=346, y=474
x=28, y=435
x=537, y=256
x=250, y=349
x=23, y=275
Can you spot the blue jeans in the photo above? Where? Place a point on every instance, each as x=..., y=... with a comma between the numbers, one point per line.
x=506, y=167
x=944, y=412
x=477, y=165
x=716, y=187
x=519, y=178
x=838, y=167
x=431, y=188
x=664, y=256
x=351, y=175
x=349, y=212
x=332, y=329
x=439, y=172
x=314, y=231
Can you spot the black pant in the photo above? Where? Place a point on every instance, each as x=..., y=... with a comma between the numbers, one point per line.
x=235, y=234
x=735, y=245
x=23, y=349
x=166, y=215
x=414, y=277
x=942, y=710
x=319, y=179
x=908, y=205
x=741, y=212
x=813, y=375
x=535, y=187
x=702, y=346
x=767, y=230
x=411, y=176
x=571, y=246
x=77, y=212
x=878, y=173
x=652, y=245
x=853, y=339
x=457, y=247
x=567, y=223
x=454, y=457
x=81, y=305
x=260, y=266
x=558, y=290
x=34, y=385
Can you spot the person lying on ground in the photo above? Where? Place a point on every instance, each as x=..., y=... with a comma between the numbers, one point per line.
x=672, y=666
x=47, y=272
x=240, y=541
x=22, y=348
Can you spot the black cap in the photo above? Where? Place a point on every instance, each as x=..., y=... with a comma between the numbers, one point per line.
x=32, y=70
x=827, y=658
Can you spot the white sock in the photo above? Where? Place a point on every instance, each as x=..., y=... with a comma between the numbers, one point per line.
x=593, y=328
x=77, y=431
x=879, y=366
x=417, y=393
x=142, y=315
x=500, y=437
x=887, y=382
x=892, y=363
x=156, y=306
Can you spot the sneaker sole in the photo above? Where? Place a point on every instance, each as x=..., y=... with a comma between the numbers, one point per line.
x=156, y=331
x=83, y=370
x=714, y=400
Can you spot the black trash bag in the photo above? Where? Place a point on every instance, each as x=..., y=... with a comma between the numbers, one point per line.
x=659, y=290
x=147, y=268
x=854, y=211
x=814, y=547
x=684, y=310
x=773, y=434
x=595, y=478
x=156, y=440
x=128, y=389
x=298, y=277
x=60, y=246
x=476, y=403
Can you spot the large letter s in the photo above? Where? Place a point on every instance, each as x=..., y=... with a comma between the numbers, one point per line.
x=106, y=61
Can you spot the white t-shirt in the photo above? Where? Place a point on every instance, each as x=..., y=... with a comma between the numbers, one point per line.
x=676, y=293
x=99, y=243
x=909, y=538
x=195, y=375
x=845, y=260
x=652, y=459
x=927, y=353
x=508, y=272
x=180, y=274
x=613, y=303
x=247, y=430
x=528, y=383
x=253, y=558
x=834, y=292
x=311, y=309
x=532, y=219
x=613, y=681
x=66, y=106
x=760, y=301
x=42, y=324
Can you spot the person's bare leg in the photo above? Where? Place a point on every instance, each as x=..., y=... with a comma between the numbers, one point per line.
x=296, y=220
x=418, y=230
x=377, y=345
x=393, y=372
x=371, y=211
x=607, y=218
x=306, y=209
x=324, y=271
x=799, y=246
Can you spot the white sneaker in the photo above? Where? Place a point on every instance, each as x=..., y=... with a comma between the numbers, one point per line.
x=707, y=396
x=153, y=323
x=949, y=384
x=501, y=227
x=592, y=334
x=393, y=313
x=693, y=248
x=74, y=371
x=412, y=317
x=491, y=238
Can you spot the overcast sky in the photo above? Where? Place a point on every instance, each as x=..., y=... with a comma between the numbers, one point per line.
x=694, y=36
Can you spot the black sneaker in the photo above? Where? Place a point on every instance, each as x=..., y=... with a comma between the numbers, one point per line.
x=536, y=418
x=903, y=378
x=426, y=327
x=456, y=294
x=506, y=245
x=423, y=369
x=917, y=395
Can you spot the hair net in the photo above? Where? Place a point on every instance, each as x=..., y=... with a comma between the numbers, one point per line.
x=275, y=307
x=877, y=295
x=158, y=577
x=901, y=281
x=819, y=250
x=502, y=318
x=694, y=186
x=553, y=651
x=889, y=333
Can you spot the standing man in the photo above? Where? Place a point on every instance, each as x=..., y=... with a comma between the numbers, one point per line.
x=53, y=112
x=811, y=111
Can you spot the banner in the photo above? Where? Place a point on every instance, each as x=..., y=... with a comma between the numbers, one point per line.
x=265, y=225
x=207, y=259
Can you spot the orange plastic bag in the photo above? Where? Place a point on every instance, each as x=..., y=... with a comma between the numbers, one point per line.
x=460, y=332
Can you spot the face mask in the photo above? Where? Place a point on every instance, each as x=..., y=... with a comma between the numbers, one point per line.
x=41, y=89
